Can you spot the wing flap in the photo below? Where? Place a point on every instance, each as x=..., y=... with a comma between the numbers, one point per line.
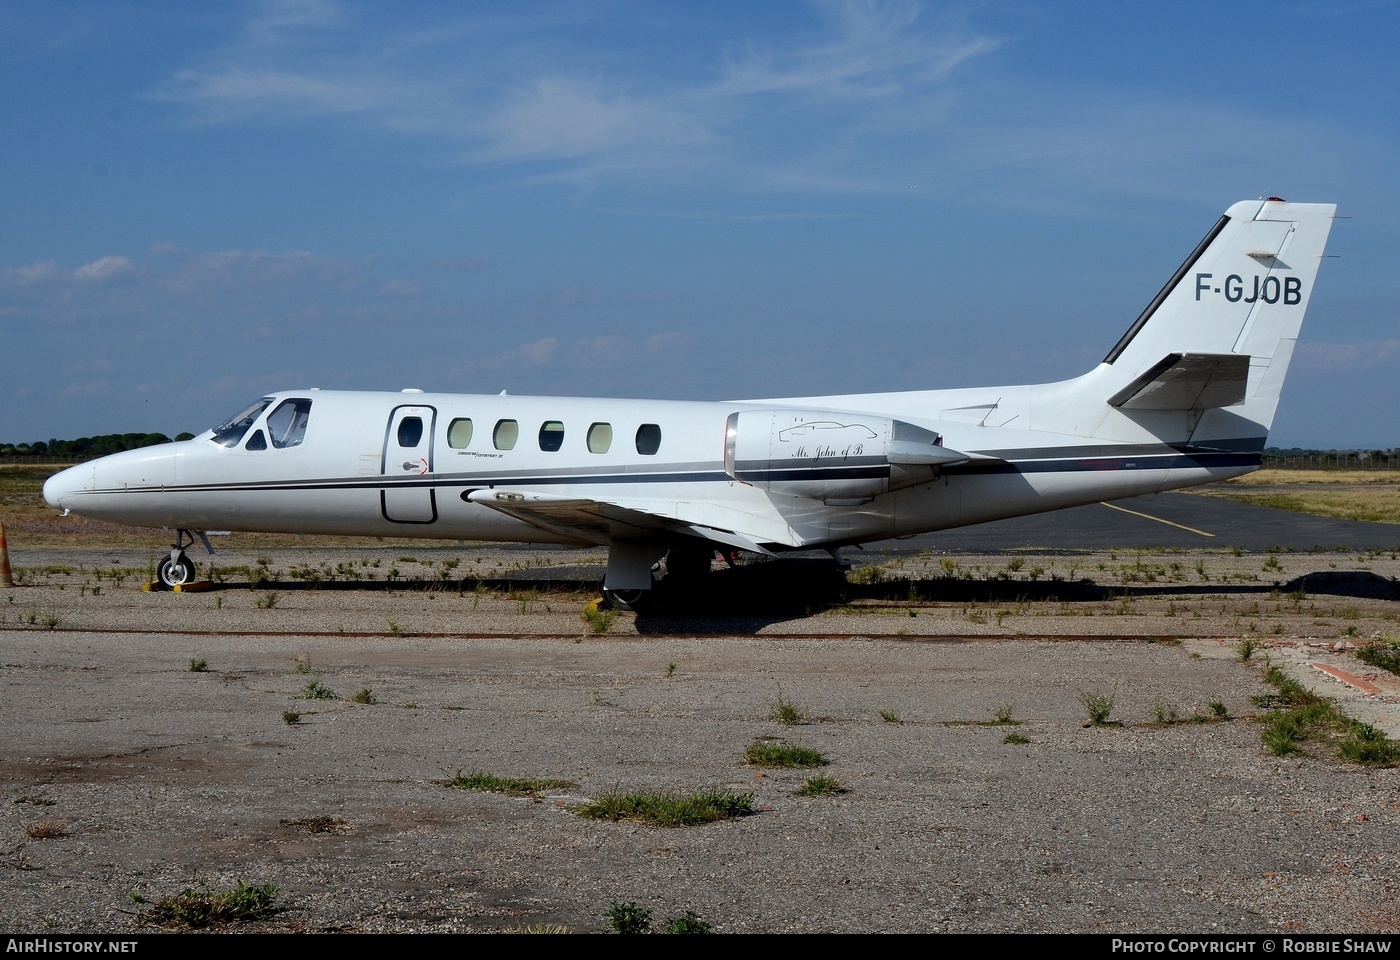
x=1188, y=381
x=600, y=521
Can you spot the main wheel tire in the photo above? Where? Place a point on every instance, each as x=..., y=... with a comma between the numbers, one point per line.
x=173, y=573
x=626, y=599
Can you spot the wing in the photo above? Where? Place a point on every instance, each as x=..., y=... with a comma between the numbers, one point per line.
x=579, y=519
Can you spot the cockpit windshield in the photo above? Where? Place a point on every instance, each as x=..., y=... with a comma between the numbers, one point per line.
x=229, y=433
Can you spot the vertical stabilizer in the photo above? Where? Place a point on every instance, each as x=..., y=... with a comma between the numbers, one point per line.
x=1217, y=340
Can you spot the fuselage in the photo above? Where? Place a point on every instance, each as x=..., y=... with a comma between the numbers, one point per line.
x=408, y=464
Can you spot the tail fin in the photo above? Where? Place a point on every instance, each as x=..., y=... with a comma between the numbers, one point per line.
x=1217, y=340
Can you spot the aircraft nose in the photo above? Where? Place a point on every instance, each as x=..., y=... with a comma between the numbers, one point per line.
x=62, y=487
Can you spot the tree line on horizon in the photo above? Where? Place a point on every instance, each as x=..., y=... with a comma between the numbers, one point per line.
x=87, y=447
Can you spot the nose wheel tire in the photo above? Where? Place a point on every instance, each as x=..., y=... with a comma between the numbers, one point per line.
x=174, y=571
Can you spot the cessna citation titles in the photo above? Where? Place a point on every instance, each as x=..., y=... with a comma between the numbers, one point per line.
x=1187, y=396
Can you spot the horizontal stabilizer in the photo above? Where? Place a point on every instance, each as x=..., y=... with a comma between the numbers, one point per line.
x=576, y=519
x=1188, y=381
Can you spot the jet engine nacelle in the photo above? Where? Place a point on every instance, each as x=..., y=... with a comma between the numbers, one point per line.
x=830, y=456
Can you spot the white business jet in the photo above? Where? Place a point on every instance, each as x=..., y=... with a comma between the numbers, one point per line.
x=1187, y=396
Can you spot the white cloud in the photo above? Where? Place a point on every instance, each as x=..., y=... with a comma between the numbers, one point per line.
x=539, y=352
x=103, y=268
x=558, y=117
x=33, y=273
x=238, y=92
x=877, y=52
x=1336, y=357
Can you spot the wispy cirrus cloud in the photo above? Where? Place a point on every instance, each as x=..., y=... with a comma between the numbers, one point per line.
x=493, y=94
x=1335, y=357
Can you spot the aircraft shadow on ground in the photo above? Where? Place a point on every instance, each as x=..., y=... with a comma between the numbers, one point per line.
x=743, y=600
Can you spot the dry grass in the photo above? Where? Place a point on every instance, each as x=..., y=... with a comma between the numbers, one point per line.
x=46, y=830
x=1374, y=502
x=1276, y=477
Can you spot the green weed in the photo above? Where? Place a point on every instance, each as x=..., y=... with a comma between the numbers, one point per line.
x=1099, y=706
x=1381, y=653
x=772, y=753
x=512, y=786
x=316, y=690
x=820, y=787
x=786, y=712
x=1014, y=738
x=195, y=909
x=669, y=809
x=198, y=665
x=363, y=695
x=1165, y=712
x=1366, y=745
x=628, y=918
x=687, y=922
x=599, y=619
x=889, y=716
x=291, y=717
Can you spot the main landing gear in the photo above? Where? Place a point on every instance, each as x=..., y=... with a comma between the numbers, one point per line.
x=632, y=566
x=177, y=568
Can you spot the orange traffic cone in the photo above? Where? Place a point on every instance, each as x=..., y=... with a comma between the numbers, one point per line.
x=5, y=579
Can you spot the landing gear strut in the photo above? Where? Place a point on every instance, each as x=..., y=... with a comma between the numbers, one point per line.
x=177, y=569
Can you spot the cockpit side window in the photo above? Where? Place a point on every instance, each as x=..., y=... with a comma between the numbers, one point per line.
x=287, y=424
x=229, y=433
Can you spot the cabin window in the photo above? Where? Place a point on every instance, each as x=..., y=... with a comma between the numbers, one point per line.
x=287, y=424
x=599, y=437
x=459, y=433
x=410, y=431
x=256, y=442
x=551, y=436
x=231, y=432
x=648, y=439
x=505, y=434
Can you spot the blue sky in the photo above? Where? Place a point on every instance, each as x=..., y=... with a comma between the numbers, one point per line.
x=205, y=202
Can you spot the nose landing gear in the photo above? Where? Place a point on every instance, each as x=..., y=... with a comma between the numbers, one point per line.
x=177, y=568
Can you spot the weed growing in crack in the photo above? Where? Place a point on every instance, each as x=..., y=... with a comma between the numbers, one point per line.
x=512, y=786
x=1099, y=707
x=820, y=787
x=786, y=712
x=46, y=830
x=773, y=753
x=196, y=909
x=628, y=918
x=669, y=809
x=316, y=690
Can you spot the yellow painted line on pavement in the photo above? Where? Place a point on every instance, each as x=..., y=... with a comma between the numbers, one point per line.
x=1148, y=516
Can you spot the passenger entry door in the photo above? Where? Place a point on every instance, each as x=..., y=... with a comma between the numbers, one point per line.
x=407, y=495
